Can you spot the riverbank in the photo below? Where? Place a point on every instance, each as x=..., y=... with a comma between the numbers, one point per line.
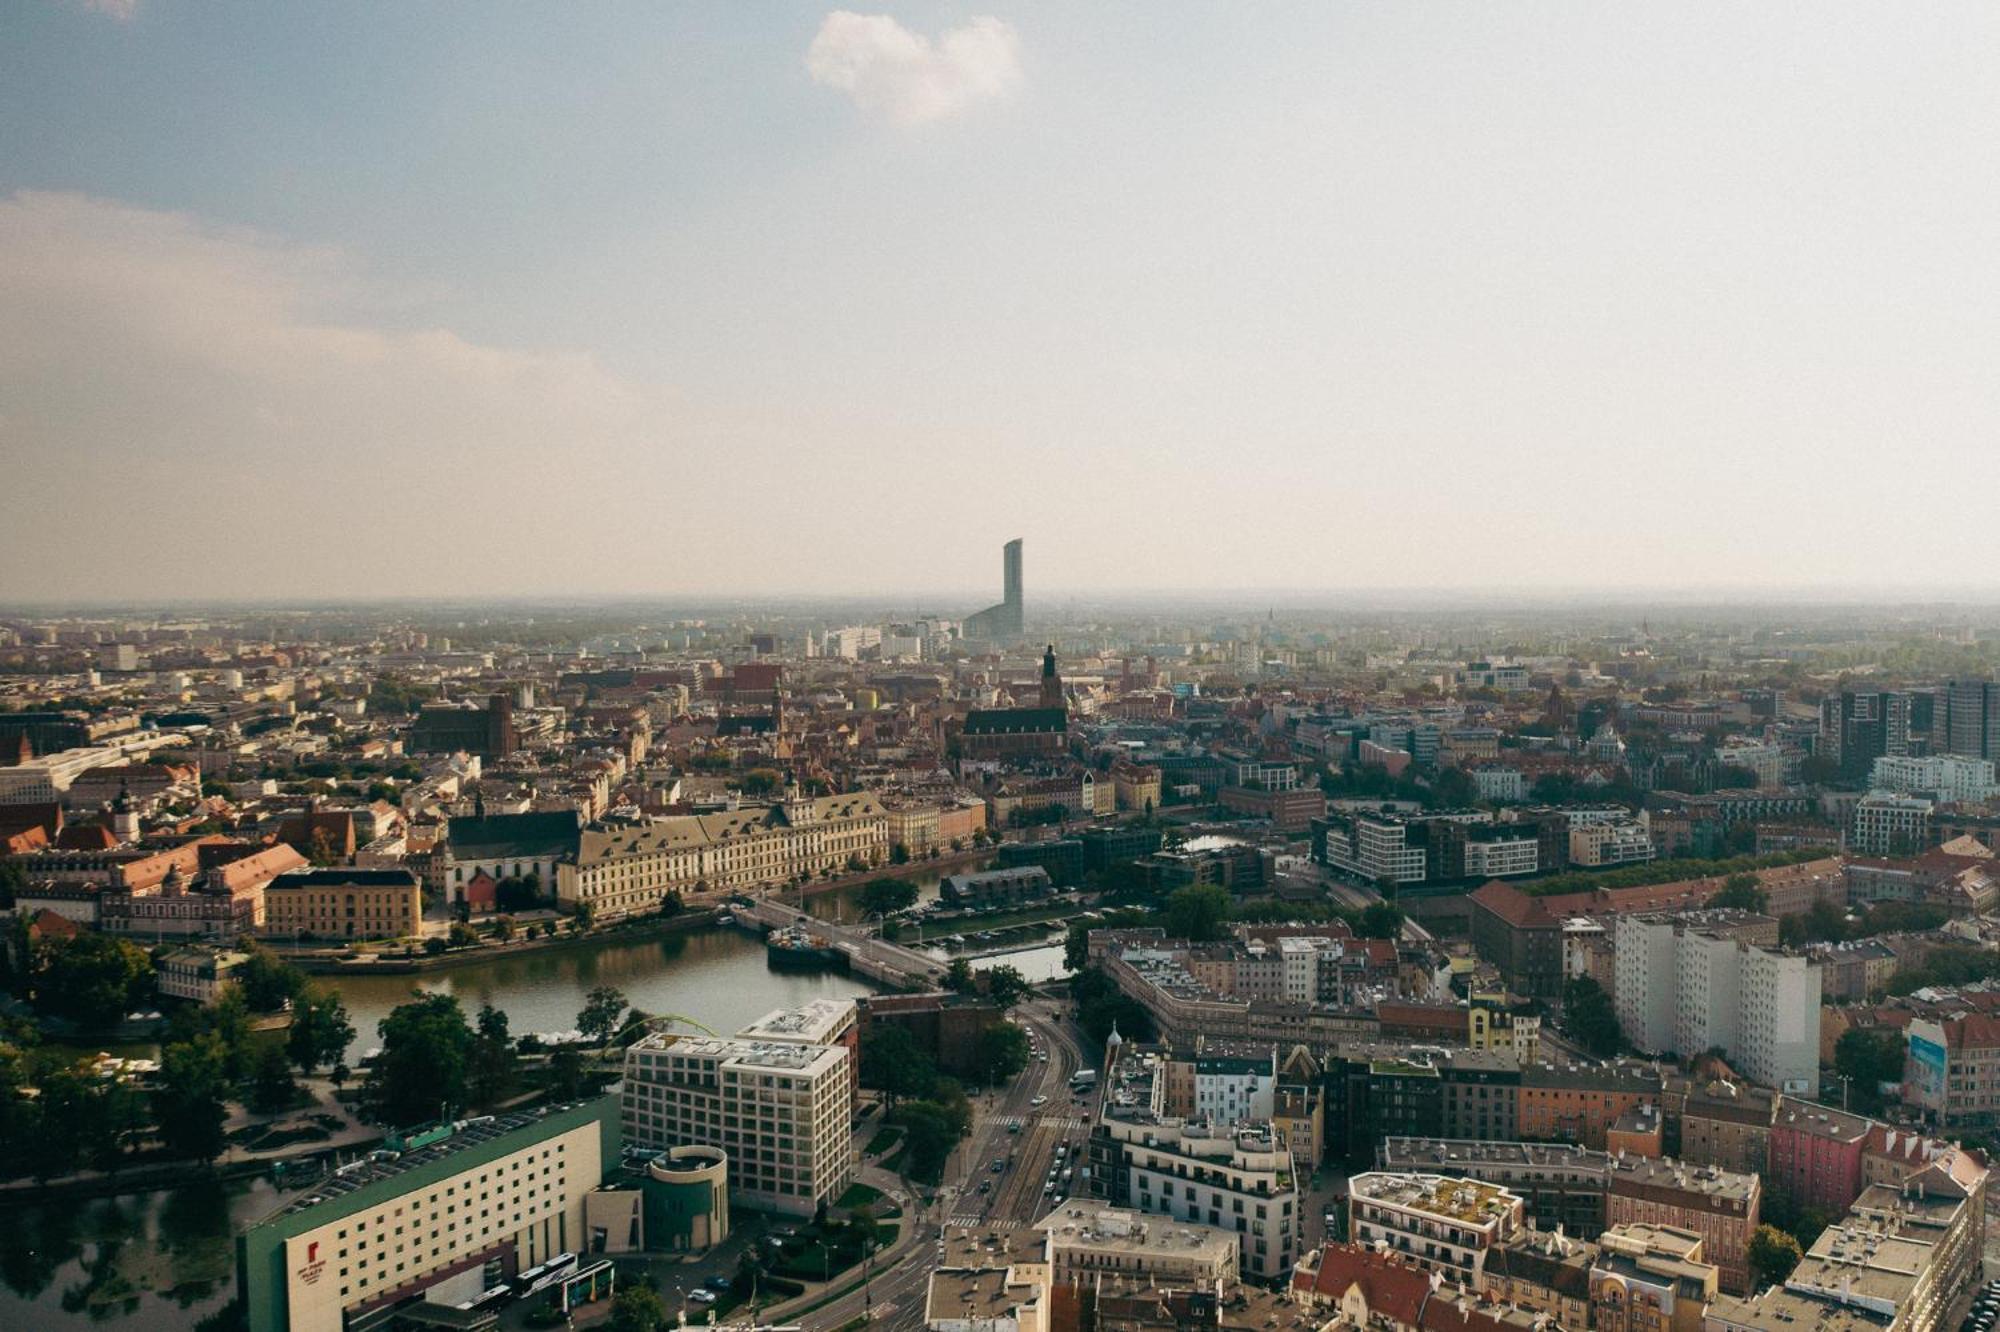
x=318, y=963
x=915, y=869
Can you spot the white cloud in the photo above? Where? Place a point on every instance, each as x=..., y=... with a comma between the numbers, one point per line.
x=904, y=76
x=219, y=382
x=122, y=10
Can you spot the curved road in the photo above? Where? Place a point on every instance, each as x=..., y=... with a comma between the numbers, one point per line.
x=895, y=1293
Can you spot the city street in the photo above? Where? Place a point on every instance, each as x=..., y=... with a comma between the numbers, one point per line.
x=895, y=1294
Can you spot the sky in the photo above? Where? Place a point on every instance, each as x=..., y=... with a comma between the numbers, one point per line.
x=354, y=301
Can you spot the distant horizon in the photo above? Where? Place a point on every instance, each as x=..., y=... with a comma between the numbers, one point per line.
x=1250, y=600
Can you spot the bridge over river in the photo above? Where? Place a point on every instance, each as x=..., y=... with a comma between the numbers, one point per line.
x=877, y=959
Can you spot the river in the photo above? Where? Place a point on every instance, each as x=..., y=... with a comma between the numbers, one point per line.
x=162, y=1260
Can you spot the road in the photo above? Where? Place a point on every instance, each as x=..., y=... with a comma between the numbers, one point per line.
x=895, y=1294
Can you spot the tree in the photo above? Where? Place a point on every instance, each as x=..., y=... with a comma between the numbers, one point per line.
x=899, y=853
x=1379, y=920
x=887, y=896
x=1867, y=1057
x=319, y=848
x=267, y=980
x=638, y=1309
x=1743, y=892
x=1591, y=1017
x=94, y=979
x=503, y=928
x=271, y=1085
x=1005, y=985
x=188, y=1099
x=671, y=905
x=1198, y=912
x=566, y=1080
x=1003, y=1051
x=958, y=977
x=320, y=1030
x=426, y=1056
x=762, y=781
x=894, y=1064
x=462, y=935
x=1772, y=1254
x=602, y=1009
x=492, y=1076
x=932, y=1128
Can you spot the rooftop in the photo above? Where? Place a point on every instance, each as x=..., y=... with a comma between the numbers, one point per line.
x=1471, y=1201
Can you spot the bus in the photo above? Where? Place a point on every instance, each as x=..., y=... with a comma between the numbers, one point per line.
x=541, y=1278
x=1083, y=1079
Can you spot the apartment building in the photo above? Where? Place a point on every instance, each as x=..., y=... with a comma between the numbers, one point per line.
x=1952, y=1071
x=1624, y=842
x=489, y=1198
x=1890, y=825
x=1696, y=981
x=1650, y=1279
x=626, y=868
x=1088, y=1241
x=1816, y=1154
x=1235, y=1177
x=1718, y=1205
x=1721, y=1123
x=782, y=1109
x=1947, y=777
x=1443, y=1223
x=1560, y=1186
x=1898, y=1261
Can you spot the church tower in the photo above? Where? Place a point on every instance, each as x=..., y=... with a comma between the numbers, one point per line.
x=1052, y=685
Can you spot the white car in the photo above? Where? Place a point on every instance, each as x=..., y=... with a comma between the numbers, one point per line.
x=700, y=1296
x=1039, y=1100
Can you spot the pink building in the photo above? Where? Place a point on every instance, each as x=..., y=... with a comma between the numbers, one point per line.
x=1816, y=1155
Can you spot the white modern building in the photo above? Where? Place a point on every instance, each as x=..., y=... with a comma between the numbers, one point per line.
x=1949, y=778
x=782, y=1109
x=1684, y=984
x=1890, y=825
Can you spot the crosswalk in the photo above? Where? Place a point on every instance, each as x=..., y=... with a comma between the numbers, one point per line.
x=1067, y=1123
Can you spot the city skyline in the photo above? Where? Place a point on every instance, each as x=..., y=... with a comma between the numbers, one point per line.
x=805, y=302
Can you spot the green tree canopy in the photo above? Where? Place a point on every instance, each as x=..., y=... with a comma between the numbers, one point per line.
x=1868, y=1057
x=423, y=1070
x=1003, y=1051
x=1379, y=920
x=1591, y=1017
x=887, y=896
x=1742, y=892
x=1772, y=1254
x=893, y=1063
x=94, y=979
x=320, y=1031
x=1005, y=985
x=188, y=1099
x=603, y=1008
x=1198, y=913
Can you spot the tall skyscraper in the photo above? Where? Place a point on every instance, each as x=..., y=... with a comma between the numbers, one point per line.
x=1858, y=727
x=1970, y=726
x=1002, y=623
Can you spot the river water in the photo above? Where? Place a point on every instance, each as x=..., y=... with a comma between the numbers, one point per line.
x=162, y=1260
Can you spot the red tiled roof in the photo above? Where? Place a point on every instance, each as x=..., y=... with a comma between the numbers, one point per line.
x=1391, y=1287
x=1516, y=907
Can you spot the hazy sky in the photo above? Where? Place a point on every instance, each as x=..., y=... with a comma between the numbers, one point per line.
x=666, y=298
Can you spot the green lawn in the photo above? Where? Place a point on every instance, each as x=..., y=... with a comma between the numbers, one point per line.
x=885, y=1138
x=859, y=1195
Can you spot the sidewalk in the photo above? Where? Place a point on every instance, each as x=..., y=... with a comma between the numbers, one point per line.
x=909, y=1224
